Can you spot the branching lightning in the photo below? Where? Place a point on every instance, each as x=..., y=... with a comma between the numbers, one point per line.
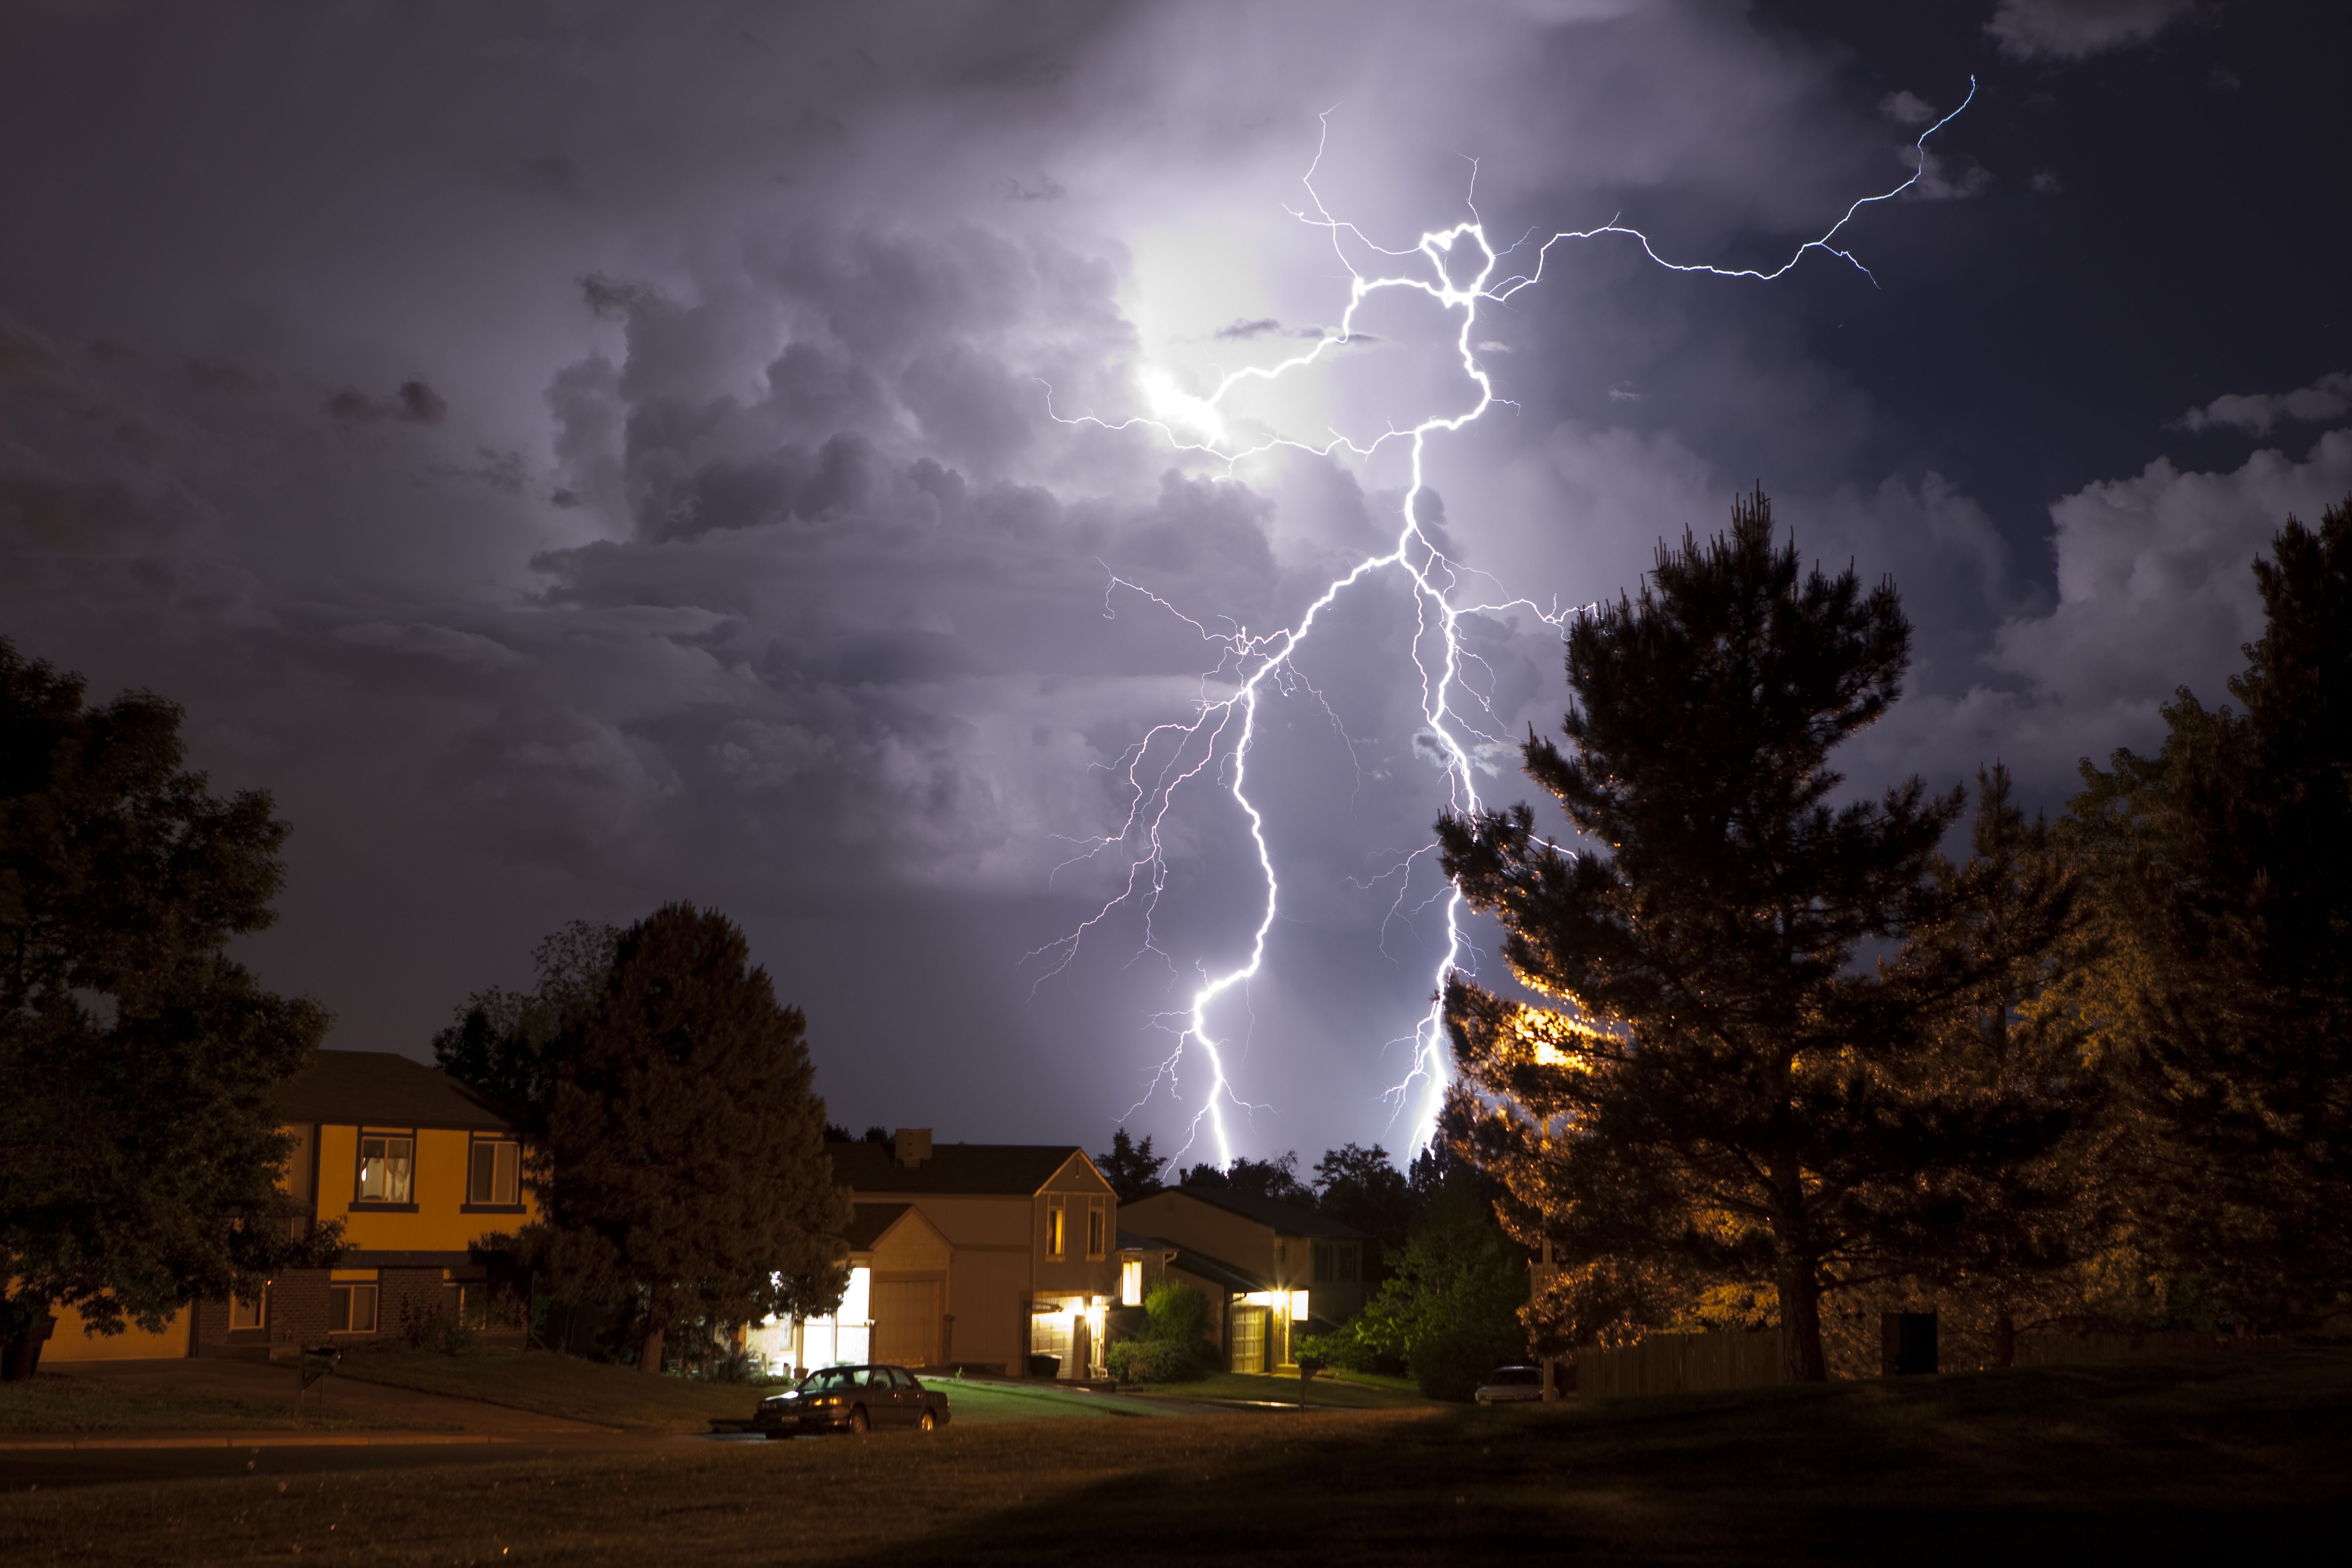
x=1216, y=740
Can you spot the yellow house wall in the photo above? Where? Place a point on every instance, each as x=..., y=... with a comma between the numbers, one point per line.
x=72, y=1341
x=441, y=1222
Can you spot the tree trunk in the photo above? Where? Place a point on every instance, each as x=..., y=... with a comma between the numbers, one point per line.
x=1800, y=1319
x=649, y=1352
x=2004, y=1341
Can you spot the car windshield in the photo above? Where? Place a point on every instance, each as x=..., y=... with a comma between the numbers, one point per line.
x=1506, y=1376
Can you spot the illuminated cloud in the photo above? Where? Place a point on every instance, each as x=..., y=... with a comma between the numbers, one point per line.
x=2077, y=29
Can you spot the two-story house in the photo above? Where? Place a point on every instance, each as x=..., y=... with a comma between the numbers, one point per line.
x=1268, y=1269
x=418, y=1168
x=982, y=1255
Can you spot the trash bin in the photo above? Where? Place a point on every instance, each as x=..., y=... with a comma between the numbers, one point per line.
x=1044, y=1366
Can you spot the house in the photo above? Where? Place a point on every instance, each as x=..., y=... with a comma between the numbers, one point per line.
x=419, y=1167
x=979, y=1255
x=1267, y=1268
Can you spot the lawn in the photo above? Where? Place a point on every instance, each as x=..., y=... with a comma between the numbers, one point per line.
x=986, y=1401
x=53, y=1405
x=562, y=1386
x=1325, y=1393
x=2231, y=1459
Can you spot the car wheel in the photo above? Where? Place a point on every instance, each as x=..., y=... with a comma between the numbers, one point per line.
x=859, y=1422
x=930, y=1422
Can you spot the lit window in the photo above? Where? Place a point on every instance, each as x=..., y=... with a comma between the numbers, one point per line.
x=350, y=1308
x=245, y=1314
x=1095, y=1227
x=1298, y=1306
x=1056, y=1244
x=496, y=1178
x=1130, y=1282
x=385, y=1164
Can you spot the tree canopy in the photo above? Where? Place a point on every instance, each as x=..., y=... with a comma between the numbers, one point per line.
x=1723, y=1092
x=2221, y=981
x=683, y=1172
x=1131, y=1168
x=503, y=1042
x=139, y=1136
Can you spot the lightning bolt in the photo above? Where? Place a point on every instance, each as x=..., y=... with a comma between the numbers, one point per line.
x=1216, y=740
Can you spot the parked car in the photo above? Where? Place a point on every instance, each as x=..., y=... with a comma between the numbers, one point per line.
x=1511, y=1386
x=851, y=1399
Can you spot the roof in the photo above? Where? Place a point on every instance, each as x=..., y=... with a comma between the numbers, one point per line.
x=1275, y=1215
x=871, y=1222
x=1133, y=1241
x=1011, y=1170
x=384, y=1089
x=1216, y=1272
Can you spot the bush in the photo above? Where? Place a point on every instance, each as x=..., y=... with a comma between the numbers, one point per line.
x=1177, y=1313
x=1450, y=1362
x=1154, y=1361
x=433, y=1328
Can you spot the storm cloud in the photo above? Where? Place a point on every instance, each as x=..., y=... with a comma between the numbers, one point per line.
x=691, y=459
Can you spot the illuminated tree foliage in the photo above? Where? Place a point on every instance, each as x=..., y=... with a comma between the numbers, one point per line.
x=1725, y=1094
x=683, y=1174
x=2222, y=871
x=139, y=1138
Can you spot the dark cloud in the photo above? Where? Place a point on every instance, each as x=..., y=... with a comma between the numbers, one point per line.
x=413, y=403
x=2076, y=29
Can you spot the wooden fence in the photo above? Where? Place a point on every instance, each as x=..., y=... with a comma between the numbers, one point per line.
x=1681, y=1364
x=2064, y=1349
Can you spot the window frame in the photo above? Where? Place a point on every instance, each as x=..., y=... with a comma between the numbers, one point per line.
x=473, y=1148
x=360, y=1201
x=260, y=1305
x=350, y=1289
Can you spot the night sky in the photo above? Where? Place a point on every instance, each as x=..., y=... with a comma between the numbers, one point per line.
x=578, y=457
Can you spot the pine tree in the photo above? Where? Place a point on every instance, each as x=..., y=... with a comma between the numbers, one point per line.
x=2222, y=870
x=139, y=1139
x=1131, y=1168
x=684, y=1173
x=1725, y=1094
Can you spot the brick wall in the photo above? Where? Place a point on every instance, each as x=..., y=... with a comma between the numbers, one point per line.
x=406, y=1290
x=298, y=1307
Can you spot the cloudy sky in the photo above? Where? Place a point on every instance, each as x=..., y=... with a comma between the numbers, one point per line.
x=583, y=456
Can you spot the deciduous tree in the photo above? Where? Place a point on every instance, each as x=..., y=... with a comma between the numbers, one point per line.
x=139, y=1138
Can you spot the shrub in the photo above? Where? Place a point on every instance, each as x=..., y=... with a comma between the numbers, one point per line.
x=433, y=1328
x=1154, y=1361
x=1175, y=1312
x=1450, y=1362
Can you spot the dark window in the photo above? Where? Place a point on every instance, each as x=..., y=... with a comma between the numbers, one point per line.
x=350, y=1308
x=496, y=1178
x=1322, y=1262
x=1344, y=1255
x=1094, y=1228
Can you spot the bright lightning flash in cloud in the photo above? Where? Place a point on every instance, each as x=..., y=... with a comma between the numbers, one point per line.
x=1216, y=740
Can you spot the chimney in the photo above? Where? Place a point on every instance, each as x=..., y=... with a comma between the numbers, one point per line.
x=913, y=1145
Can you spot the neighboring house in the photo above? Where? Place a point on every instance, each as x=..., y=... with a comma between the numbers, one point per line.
x=979, y=1255
x=1267, y=1268
x=416, y=1166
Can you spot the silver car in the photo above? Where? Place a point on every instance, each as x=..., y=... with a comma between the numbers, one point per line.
x=1511, y=1386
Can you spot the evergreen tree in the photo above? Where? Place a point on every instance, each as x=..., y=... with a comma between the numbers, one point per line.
x=1131, y=1168
x=2222, y=869
x=683, y=1172
x=1726, y=1096
x=139, y=1136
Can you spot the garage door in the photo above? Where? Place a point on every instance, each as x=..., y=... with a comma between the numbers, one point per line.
x=1249, y=1339
x=906, y=1322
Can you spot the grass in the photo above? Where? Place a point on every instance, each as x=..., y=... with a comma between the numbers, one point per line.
x=981, y=1402
x=1325, y=1393
x=2236, y=1458
x=54, y=1404
x=551, y=1385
